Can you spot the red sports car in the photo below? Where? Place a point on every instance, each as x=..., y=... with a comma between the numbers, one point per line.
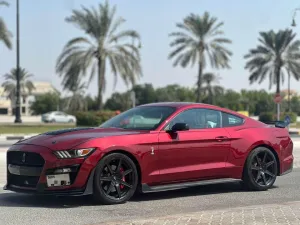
x=153, y=147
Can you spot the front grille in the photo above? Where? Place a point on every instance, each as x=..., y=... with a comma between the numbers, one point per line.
x=25, y=159
x=22, y=181
x=24, y=168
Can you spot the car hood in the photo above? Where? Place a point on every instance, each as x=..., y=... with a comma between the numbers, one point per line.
x=58, y=140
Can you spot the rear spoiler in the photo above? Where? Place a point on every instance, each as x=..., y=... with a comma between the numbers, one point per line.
x=278, y=124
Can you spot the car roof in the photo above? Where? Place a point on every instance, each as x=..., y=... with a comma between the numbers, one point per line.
x=191, y=104
x=173, y=104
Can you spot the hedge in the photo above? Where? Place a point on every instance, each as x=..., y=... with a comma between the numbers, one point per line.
x=93, y=118
x=292, y=115
x=266, y=117
x=270, y=116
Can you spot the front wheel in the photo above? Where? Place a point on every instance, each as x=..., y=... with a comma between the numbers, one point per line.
x=260, y=170
x=115, y=180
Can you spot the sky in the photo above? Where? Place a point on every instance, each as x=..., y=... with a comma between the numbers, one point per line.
x=44, y=32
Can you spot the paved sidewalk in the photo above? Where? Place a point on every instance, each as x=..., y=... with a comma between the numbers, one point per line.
x=285, y=213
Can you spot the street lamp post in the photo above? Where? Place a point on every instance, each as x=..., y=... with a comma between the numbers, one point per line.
x=289, y=91
x=132, y=93
x=18, y=94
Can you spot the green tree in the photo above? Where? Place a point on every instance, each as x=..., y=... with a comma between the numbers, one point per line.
x=45, y=103
x=200, y=40
x=211, y=89
x=26, y=85
x=91, y=103
x=295, y=105
x=276, y=53
x=118, y=101
x=103, y=45
x=144, y=94
x=175, y=93
x=5, y=34
x=229, y=100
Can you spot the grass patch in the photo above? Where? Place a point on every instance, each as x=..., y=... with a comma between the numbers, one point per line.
x=32, y=129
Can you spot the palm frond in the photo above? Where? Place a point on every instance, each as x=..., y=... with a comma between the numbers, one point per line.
x=5, y=34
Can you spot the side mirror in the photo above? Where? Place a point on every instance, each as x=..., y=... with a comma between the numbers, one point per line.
x=179, y=127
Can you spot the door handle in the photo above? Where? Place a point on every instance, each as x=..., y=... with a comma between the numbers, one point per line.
x=221, y=138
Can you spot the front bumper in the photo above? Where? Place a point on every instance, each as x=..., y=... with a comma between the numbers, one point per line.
x=31, y=176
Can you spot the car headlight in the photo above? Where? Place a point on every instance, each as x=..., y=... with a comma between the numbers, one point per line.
x=71, y=154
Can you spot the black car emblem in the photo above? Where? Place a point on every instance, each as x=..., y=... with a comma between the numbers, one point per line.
x=23, y=157
x=53, y=142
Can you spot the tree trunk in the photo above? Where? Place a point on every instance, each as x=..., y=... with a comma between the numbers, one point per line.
x=101, y=70
x=199, y=82
x=210, y=93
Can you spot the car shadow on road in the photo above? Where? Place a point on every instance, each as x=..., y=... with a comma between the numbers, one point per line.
x=9, y=199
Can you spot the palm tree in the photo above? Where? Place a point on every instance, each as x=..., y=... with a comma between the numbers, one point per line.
x=5, y=35
x=200, y=39
x=276, y=53
x=26, y=85
x=77, y=100
x=211, y=90
x=103, y=46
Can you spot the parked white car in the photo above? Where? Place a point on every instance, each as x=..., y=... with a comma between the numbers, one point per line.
x=58, y=117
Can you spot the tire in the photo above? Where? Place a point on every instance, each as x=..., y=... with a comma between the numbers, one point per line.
x=53, y=121
x=118, y=185
x=260, y=170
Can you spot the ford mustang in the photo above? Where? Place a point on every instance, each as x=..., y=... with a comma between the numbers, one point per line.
x=153, y=147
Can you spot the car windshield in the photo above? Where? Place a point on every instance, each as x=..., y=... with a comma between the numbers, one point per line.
x=140, y=118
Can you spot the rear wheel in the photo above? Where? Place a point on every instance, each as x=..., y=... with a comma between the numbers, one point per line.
x=260, y=170
x=115, y=180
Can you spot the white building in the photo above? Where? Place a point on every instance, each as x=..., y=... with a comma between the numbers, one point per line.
x=7, y=105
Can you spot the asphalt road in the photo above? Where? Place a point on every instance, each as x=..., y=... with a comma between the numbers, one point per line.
x=31, y=210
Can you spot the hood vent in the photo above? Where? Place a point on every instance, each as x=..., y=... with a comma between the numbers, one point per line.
x=63, y=131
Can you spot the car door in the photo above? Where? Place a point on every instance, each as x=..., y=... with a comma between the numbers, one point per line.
x=65, y=117
x=59, y=117
x=198, y=153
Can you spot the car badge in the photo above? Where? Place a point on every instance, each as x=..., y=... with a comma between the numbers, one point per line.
x=23, y=157
x=53, y=142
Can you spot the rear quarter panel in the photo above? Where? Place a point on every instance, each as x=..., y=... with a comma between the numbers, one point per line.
x=244, y=139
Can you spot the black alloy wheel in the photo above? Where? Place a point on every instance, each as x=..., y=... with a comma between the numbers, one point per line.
x=115, y=179
x=261, y=169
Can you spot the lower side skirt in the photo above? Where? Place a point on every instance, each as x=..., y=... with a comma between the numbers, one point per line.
x=167, y=187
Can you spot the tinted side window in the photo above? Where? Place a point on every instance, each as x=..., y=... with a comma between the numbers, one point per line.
x=198, y=119
x=230, y=120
